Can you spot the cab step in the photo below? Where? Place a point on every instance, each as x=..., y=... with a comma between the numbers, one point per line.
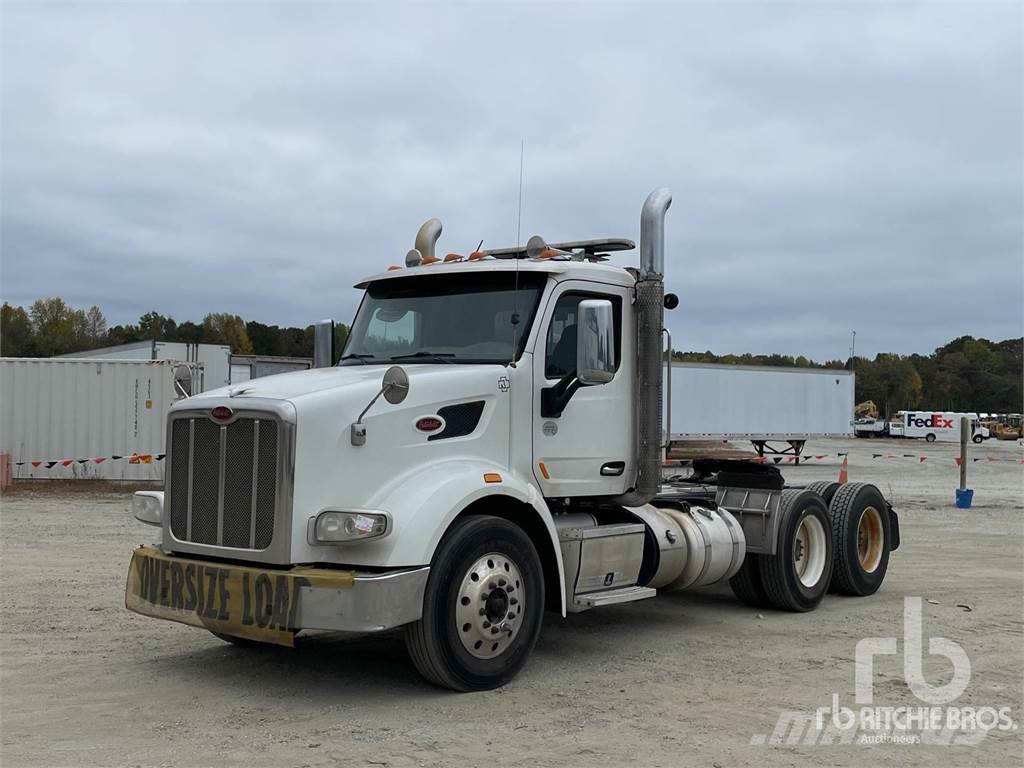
x=614, y=597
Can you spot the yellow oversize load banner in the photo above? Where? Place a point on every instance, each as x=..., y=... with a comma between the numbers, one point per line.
x=236, y=600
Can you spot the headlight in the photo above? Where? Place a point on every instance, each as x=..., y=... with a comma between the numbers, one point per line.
x=148, y=506
x=331, y=527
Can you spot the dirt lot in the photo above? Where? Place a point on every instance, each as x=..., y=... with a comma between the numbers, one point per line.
x=685, y=679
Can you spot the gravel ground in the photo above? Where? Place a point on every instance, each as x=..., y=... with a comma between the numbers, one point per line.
x=684, y=679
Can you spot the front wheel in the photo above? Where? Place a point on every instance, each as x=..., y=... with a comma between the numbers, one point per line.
x=482, y=607
x=929, y=438
x=977, y=439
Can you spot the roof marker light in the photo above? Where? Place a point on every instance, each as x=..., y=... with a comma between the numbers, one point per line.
x=452, y=257
x=477, y=255
x=393, y=267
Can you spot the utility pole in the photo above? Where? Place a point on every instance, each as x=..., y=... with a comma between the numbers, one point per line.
x=853, y=351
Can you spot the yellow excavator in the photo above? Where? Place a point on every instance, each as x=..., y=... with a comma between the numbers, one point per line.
x=866, y=410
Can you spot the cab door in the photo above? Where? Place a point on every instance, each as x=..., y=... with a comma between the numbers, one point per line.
x=588, y=449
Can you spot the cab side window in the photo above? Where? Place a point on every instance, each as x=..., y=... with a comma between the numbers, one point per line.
x=560, y=350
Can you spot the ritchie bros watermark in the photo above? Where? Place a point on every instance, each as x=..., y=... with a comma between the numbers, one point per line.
x=932, y=719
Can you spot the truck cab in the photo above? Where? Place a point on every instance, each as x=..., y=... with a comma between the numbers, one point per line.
x=487, y=446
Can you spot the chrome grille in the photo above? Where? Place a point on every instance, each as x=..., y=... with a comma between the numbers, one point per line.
x=223, y=481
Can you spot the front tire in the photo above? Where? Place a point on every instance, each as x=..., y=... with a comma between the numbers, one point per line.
x=482, y=607
x=797, y=576
x=929, y=438
x=977, y=439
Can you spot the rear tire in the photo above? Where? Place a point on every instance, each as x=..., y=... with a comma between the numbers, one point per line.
x=862, y=539
x=824, y=488
x=747, y=584
x=929, y=438
x=485, y=576
x=797, y=576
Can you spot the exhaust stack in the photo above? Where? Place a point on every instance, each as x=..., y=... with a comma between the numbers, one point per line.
x=650, y=302
x=652, y=234
x=426, y=239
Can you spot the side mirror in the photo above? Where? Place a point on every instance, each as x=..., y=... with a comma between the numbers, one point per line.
x=395, y=387
x=595, y=342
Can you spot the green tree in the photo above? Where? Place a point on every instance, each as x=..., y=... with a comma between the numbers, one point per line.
x=123, y=334
x=192, y=333
x=224, y=328
x=155, y=327
x=15, y=332
x=95, y=327
x=57, y=328
x=266, y=339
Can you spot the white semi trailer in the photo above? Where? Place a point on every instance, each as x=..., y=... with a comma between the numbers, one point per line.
x=488, y=447
x=777, y=409
x=214, y=360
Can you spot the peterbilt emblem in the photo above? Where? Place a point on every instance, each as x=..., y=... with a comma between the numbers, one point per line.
x=503, y=384
x=221, y=413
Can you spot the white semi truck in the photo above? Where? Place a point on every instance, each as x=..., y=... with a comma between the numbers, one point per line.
x=489, y=447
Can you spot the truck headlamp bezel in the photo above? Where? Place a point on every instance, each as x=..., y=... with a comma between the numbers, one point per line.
x=348, y=526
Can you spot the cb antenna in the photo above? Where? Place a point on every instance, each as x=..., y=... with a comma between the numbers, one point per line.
x=519, y=242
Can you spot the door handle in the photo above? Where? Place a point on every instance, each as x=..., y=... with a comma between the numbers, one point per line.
x=613, y=468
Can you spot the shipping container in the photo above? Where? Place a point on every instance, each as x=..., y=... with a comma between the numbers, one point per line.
x=247, y=367
x=760, y=403
x=215, y=358
x=63, y=418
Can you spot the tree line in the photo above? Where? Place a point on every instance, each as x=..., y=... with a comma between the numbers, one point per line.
x=51, y=327
x=967, y=374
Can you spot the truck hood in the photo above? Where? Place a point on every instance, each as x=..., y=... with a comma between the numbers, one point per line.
x=355, y=380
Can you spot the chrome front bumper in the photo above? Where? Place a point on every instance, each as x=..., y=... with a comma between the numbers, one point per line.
x=375, y=602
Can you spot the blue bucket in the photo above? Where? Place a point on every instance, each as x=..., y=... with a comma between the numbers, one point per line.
x=964, y=497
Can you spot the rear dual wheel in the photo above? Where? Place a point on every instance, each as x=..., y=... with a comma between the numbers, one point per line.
x=862, y=537
x=824, y=488
x=797, y=576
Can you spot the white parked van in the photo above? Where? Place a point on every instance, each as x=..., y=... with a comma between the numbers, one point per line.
x=935, y=425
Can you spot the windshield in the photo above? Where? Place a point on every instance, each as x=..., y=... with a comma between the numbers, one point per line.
x=461, y=318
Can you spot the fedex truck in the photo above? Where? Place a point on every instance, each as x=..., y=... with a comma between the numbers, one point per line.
x=936, y=425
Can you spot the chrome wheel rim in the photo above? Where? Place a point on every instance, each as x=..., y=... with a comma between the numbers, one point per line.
x=489, y=605
x=870, y=538
x=809, y=551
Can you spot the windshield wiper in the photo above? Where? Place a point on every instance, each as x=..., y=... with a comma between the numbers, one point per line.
x=439, y=356
x=360, y=356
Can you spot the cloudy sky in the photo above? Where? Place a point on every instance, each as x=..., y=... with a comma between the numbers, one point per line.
x=835, y=166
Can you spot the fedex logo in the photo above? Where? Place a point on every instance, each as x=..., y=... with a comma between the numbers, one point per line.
x=935, y=421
